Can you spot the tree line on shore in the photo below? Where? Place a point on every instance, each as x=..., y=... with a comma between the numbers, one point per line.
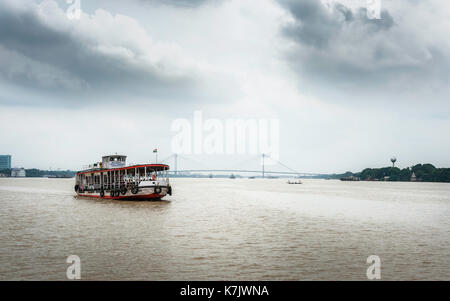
x=422, y=172
x=37, y=173
x=419, y=172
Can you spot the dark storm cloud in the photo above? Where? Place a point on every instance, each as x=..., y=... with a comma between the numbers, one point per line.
x=313, y=26
x=316, y=26
x=344, y=49
x=53, y=58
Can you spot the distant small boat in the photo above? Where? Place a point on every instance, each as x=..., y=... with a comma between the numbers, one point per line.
x=294, y=182
x=232, y=176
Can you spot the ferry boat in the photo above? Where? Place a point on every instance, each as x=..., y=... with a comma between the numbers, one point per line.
x=113, y=179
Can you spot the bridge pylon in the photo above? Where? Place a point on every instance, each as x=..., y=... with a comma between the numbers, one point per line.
x=263, y=155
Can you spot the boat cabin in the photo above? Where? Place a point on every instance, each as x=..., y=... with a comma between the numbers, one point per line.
x=123, y=177
x=114, y=161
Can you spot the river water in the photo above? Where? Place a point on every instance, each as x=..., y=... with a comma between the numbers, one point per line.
x=228, y=229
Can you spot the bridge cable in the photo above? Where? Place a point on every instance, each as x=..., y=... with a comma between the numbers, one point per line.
x=291, y=169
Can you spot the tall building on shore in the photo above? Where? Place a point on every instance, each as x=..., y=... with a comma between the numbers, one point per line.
x=5, y=162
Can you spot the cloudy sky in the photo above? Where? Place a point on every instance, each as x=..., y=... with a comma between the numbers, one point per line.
x=349, y=91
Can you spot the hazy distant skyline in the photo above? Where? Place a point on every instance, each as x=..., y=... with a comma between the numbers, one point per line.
x=349, y=91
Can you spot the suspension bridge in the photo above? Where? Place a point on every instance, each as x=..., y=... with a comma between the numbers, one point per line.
x=274, y=170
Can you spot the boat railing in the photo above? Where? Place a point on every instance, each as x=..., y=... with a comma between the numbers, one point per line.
x=126, y=181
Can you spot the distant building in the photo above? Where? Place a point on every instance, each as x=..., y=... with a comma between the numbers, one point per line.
x=18, y=173
x=413, y=177
x=5, y=162
x=3, y=175
x=350, y=178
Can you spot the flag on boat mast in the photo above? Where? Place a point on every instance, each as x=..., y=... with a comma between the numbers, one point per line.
x=155, y=151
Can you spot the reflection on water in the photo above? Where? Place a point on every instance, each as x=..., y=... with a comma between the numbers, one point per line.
x=223, y=229
x=133, y=205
